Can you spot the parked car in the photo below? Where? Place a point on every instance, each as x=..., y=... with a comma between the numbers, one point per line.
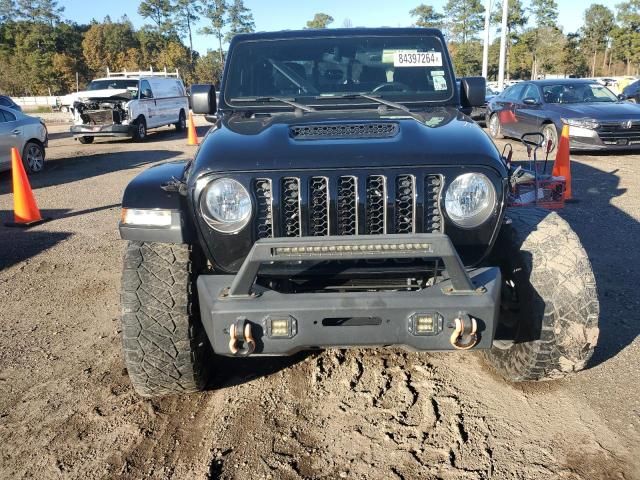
x=631, y=92
x=6, y=101
x=128, y=104
x=597, y=117
x=342, y=200
x=28, y=134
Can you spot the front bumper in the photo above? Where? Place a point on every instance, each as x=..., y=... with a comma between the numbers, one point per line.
x=102, y=130
x=583, y=139
x=337, y=319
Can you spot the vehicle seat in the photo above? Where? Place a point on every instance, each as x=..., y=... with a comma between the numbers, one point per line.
x=413, y=77
x=296, y=68
x=373, y=76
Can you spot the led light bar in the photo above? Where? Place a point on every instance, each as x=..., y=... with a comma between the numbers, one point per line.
x=149, y=218
x=380, y=248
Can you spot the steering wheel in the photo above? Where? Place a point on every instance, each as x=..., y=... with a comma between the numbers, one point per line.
x=400, y=87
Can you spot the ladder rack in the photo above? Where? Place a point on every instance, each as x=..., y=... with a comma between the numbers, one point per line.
x=143, y=73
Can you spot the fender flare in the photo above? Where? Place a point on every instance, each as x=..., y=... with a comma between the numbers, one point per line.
x=158, y=188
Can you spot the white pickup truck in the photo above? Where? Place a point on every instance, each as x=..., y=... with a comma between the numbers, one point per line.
x=128, y=104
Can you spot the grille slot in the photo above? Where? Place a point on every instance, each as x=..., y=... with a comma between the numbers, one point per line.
x=405, y=204
x=344, y=130
x=264, y=208
x=291, y=207
x=347, y=206
x=376, y=218
x=319, y=206
x=432, y=214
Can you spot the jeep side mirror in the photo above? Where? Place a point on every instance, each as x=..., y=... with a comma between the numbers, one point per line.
x=203, y=99
x=530, y=101
x=473, y=91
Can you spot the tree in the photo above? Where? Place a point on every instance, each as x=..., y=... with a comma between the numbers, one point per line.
x=320, y=20
x=160, y=13
x=103, y=43
x=240, y=20
x=209, y=69
x=215, y=11
x=598, y=23
x=40, y=11
x=467, y=58
x=347, y=23
x=464, y=18
x=573, y=61
x=186, y=15
x=545, y=12
x=427, y=16
x=626, y=37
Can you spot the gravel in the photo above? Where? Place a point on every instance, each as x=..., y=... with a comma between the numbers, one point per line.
x=67, y=409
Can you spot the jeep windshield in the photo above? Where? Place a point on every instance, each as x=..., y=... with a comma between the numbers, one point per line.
x=338, y=70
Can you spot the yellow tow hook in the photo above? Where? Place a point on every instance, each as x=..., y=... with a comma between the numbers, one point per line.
x=241, y=342
x=465, y=335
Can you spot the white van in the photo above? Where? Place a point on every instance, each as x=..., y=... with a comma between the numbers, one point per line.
x=128, y=104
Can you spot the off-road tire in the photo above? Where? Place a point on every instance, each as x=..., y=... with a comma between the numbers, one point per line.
x=495, y=129
x=86, y=140
x=140, y=129
x=181, y=126
x=557, y=303
x=166, y=350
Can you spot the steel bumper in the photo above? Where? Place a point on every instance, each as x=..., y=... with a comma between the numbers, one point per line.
x=102, y=130
x=337, y=319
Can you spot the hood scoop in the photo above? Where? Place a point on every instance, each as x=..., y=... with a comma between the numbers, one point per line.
x=329, y=131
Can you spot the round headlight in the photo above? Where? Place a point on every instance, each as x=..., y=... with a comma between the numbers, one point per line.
x=470, y=200
x=226, y=205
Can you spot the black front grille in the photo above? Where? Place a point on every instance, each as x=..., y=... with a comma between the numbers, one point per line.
x=619, y=133
x=322, y=205
x=344, y=130
x=619, y=127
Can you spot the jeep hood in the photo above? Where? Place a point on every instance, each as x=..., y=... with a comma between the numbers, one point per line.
x=437, y=136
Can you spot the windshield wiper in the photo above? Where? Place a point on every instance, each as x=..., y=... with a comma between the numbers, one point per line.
x=287, y=101
x=380, y=100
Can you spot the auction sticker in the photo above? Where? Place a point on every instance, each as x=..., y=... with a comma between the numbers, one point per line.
x=407, y=58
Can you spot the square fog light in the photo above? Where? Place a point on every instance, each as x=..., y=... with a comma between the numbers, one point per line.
x=426, y=323
x=281, y=326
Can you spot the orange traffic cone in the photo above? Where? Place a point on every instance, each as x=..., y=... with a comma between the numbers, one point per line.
x=25, y=210
x=193, y=136
x=562, y=165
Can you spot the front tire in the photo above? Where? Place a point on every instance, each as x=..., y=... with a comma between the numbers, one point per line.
x=166, y=350
x=552, y=329
x=140, y=130
x=86, y=140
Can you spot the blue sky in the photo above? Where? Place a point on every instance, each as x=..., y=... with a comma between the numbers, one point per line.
x=288, y=14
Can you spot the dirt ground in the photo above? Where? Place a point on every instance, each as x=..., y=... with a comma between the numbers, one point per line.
x=67, y=409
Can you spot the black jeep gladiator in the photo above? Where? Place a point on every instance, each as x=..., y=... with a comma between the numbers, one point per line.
x=342, y=199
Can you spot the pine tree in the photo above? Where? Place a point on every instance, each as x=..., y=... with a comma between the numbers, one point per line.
x=240, y=20
x=465, y=19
